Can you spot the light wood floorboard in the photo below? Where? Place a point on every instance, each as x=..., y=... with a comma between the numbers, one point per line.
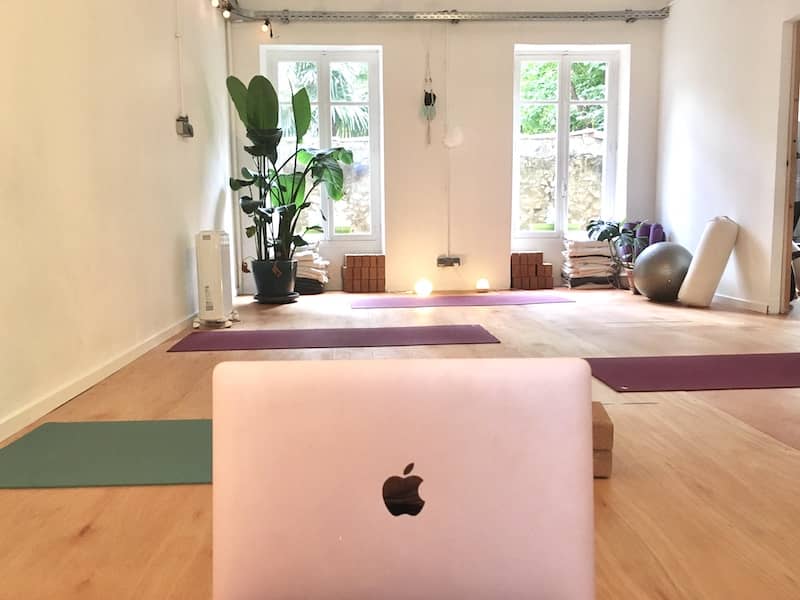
x=700, y=506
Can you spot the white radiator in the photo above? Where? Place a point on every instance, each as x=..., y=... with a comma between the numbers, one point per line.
x=214, y=291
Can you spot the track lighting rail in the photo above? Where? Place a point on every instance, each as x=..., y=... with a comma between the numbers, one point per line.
x=453, y=16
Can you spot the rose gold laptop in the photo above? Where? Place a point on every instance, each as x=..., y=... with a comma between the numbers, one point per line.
x=403, y=479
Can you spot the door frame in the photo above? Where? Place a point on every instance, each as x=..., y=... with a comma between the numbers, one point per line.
x=791, y=171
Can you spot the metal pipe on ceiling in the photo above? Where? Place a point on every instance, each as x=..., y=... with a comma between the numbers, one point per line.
x=451, y=16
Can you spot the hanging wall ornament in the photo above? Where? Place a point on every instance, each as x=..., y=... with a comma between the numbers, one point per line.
x=429, y=100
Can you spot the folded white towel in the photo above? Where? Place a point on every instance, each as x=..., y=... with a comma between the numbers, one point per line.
x=587, y=260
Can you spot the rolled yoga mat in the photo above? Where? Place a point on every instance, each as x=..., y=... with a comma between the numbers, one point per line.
x=657, y=234
x=109, y=453
x=506, y=299
x=370, y=337
x=698, y=373
x=709, y=262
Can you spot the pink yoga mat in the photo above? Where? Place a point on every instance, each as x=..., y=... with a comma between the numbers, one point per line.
x=696, y=373
x=290, y=339
x=504, y=299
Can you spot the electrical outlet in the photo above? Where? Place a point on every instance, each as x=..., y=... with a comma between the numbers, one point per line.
x=183, y=128
x=444, y=262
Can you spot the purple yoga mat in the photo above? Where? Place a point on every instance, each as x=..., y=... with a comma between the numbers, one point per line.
x=290, y=339
x=507, y=299
x=696, y=373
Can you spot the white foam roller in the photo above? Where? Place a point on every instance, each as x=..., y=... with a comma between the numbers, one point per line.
x=710, y=260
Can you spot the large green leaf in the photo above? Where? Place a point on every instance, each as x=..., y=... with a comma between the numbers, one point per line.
x=304, y=157
x=328, y=171
x=262, y=104
x=237, y=184
x=271, y=154
x=238, y=93
x=265, y=142
x=301, y=107
x=265, y=137
x=288, y=189
x=299, y=191
x=248, y=205
x=343, y=155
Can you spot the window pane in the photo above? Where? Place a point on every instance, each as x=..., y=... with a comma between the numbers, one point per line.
x=350, y=127
x=349, y=82
x=309, y=217
x=539, y=81
x=538, y=118
x=588, y=80
x=537, y=145
x=587, y=116
x=587, y=149
x=286, y=122
x=293, y=75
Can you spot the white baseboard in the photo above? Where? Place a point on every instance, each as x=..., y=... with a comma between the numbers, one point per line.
x=36, y=409
x=759, y=307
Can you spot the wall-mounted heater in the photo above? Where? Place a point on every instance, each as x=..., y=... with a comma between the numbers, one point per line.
x=214, y=290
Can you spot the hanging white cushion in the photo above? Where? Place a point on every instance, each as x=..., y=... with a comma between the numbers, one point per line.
x=709, y=262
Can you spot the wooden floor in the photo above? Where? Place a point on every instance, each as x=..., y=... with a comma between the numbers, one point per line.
x=700, y=505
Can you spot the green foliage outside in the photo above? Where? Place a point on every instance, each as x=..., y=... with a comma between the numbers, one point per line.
x=349, y=83
x=539, y=83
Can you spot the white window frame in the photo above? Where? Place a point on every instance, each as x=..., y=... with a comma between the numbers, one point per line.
x=565, y=56
x=271, y=55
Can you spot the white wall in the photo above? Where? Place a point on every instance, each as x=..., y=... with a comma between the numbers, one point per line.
x=723, y=141
x=100, y=198
x=478, y=79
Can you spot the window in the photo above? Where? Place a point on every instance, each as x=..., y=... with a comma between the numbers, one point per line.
x=564, y=140
x=345, y=91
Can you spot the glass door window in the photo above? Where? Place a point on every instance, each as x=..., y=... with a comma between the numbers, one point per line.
x=563, y=142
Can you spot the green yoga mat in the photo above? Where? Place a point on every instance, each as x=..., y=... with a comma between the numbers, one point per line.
x=109, y=453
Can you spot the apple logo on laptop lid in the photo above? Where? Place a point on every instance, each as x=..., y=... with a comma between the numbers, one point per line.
x=401, y=494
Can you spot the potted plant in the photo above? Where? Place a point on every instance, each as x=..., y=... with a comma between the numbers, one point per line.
x=276, y=193
x=626, y=245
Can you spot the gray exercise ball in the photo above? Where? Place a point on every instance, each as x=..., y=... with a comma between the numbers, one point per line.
x=660, y=270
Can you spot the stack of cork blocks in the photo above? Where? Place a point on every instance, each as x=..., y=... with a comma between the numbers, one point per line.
x=530, y=272
x=364, y=273
x=602, y=441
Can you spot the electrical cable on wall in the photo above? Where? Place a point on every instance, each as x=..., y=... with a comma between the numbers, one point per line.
x=182, y=126
x=447, y=124
x=429, y=97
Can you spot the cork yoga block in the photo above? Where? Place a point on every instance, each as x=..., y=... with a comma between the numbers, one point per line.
x=602, y=441
x=364, y=273
x=530, y=272
x=602, y=428
x=602, y=460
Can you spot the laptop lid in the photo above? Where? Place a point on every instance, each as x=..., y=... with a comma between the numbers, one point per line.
x=409, y=479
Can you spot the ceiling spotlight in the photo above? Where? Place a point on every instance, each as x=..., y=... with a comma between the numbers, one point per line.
x=267, y=28
x=215, y=3
x=226, y=13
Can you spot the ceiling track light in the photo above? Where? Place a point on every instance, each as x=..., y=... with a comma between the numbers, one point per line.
x=267, y=28
x=215, y=3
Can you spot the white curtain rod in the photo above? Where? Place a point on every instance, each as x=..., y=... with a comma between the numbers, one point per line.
x=452, y=16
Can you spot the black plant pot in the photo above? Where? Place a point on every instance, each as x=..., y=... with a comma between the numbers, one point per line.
x=275, y=281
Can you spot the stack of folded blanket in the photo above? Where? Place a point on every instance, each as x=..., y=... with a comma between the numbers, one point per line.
x=312, y=272
x=588, y=264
